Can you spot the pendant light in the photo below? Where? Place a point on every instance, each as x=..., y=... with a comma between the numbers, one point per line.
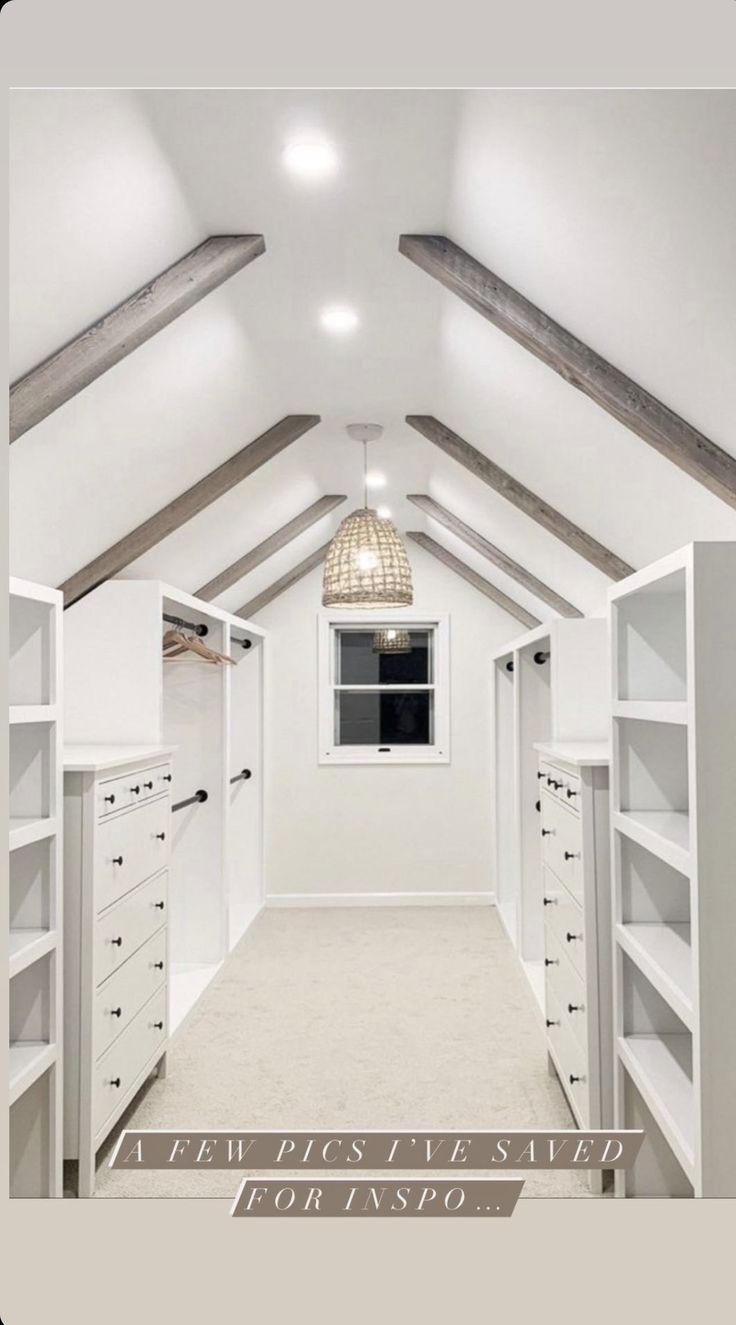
x=392, y=641
x=366, y=565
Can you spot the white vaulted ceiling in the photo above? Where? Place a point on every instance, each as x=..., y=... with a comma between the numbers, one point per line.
x=613, y=211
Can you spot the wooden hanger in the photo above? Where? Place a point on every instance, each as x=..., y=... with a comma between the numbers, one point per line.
x=175, y=643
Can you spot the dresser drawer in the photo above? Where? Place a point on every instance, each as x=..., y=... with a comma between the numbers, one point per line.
x=123, y=994
x=119, y=793
x=571, y=1062
x=562, y=843
x=566, y=988
x=564, y=917
x=560, y=784
x=129, y=848
x=117, y=1070
x=122, y=929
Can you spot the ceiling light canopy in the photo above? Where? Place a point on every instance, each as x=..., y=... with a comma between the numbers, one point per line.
x=339, y=319
x=366, y=565
x=310, y=159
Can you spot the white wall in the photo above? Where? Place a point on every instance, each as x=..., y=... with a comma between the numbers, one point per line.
x=379, y=829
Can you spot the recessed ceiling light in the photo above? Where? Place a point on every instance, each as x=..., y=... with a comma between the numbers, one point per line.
x=384, y=512
x=339, y=319
x=375, y=480
x=310, y=159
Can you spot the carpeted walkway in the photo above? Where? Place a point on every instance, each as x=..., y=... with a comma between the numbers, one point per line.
x=351, y=1018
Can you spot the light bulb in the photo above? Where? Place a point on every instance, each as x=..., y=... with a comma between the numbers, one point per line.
x=339, y=319
x=367, y=560
x=384, y=512
x=310, y=160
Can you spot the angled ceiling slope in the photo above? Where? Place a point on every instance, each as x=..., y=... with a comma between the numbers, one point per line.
x=478, y=582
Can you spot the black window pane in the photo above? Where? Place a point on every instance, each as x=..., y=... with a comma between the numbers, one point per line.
x=397, y=718
x=361, y=660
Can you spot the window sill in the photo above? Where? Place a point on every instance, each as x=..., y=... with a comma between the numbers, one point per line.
x=336, y=755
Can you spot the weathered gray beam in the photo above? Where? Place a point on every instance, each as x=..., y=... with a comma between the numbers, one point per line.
x=515, y=492
x=631, y=404
x=478, y=582
x=494, y=554
x=291, y=577
x=190, y=503
x=317, y=511
x=106, y=342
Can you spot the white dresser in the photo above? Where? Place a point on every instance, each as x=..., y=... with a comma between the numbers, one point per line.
x=574, y=827
x=117, y=808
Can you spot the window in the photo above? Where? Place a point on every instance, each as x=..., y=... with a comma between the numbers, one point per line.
x=383, y=690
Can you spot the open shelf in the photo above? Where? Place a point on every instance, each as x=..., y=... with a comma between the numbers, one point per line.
x=28, y=1060
x=666, y=833
x=26, y=946
x=663, y=954
x=652, y=710
x=660, y=1066
x=20, y=713
x=651, y=632
x=23, y=830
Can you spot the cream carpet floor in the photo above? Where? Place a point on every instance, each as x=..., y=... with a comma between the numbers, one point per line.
x=352, y=1018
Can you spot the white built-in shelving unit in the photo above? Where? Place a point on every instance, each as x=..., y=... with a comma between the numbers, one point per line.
x=119, y=689
x=673, y=777
x=35, y=902
x=551, y=684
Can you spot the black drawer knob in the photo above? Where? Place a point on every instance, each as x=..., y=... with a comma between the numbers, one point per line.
x=160, y=837
x=158, y=966
x=158, y=1025
x=573, y=1080
x=118, y=942
x=570, y=793
x=110, y=800
x=166, y=777
x=148, y=786
x=574, y=1007
x=538, y=806
x=159, y=905
x=551, y=782
x=571, y=855
x=551, y=961
x=540, y=775
x=549, y=901
x=117, y=860
x=548, y=832
x=116, y=1012
x=547, y=1022
x=136, y=790
x=115, y=1081
x=572, y=938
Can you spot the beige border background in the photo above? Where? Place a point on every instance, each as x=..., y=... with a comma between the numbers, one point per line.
x=109, y=1262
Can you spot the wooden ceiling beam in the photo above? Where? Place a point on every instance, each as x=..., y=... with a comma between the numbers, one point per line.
x=261, y=600
x=526, y=500
x=190, y=503
x=576, y=362
x=494, y=554
x=317, y=511
x=478, y=582
x=132, y=323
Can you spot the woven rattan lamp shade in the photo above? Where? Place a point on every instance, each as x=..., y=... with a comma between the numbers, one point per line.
x=367, y=565
x=392, y=641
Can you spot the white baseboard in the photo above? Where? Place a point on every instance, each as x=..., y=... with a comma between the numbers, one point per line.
x=381, y=899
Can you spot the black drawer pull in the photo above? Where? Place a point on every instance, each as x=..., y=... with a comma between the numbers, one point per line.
x=573, y=1079
x=548, y=832
x=570, y=793
x=158, y=966
x=538, y=806
x=136, y=790
x=166, y=777
x=547, y=1022
x=575, y=1007
x=572, y=938
x=159, y=905
x=118, y=942
x=110, y=800
x=148, y=786
x=551, y=961
x=117, y=860
x=160, y=837
x=158, y=1025
x=540, y=775
x=116, y=1012
x=549, y=901
x=572, y=855
x=552, y=783
x=115, y=1081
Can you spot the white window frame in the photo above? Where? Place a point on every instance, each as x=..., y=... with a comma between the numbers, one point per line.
x=328, y=751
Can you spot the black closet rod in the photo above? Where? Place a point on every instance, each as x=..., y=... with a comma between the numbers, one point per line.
x=242, y=776
x=197, y=799
x=198, y=627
